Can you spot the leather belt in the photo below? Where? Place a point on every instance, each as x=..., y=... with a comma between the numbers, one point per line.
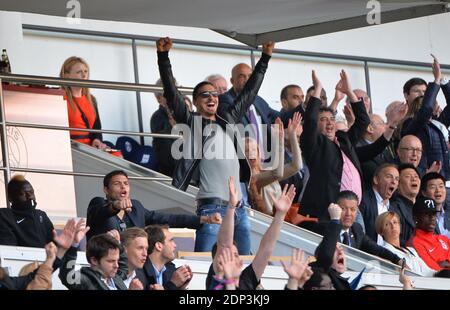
x=211, y=201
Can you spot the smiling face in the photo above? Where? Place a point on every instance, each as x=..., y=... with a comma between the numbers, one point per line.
x=207, y=101
x=386, y=182
x=327, y=124
x=252, y=154
x=436, y=189
x=118, y=188
x=409, y=150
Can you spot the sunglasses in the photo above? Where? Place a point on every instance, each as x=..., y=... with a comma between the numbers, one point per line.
x=206, y=94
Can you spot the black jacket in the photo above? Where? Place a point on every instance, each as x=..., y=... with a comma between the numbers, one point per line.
x=30, y=228
x=147, y=275
x=159, y=123
x=403, y=207
x=86, y=278
x=324, y=259
x=324, y=158
x=186, y=167
x=101, y=217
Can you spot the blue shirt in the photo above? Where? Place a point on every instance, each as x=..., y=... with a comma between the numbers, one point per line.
x=159, y=274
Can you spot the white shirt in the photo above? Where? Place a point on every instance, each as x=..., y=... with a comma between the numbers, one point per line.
x=109, y=283
x=129, y=278
x=381, y=207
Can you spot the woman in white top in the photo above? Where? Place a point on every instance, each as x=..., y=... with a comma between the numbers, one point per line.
x=264, y=184
x=387, y=225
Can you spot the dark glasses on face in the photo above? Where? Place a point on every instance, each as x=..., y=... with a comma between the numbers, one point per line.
x=206, y=94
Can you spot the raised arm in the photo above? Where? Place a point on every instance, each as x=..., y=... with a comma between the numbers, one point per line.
x=268, y=176
x=311, y=137
x=294, y=128
x=226, y=231
x=175, y=99
x=327, y=246
x=357, y=130
x=247, y=96
x=268, y=241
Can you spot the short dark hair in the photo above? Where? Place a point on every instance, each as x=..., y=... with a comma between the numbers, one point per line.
x=15, y=185
x=382, y=167
x=284, y=91
x=155, y=233
x=428, y=177
x=348, y=195
x=405, y=166
x=367, y=287
x=99, y=246
x=197, y=87
x=413, y=82
x=109, y=176
x=326, y=109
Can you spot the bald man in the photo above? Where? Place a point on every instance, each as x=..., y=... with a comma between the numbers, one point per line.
x=260, y=113
x=375, y=130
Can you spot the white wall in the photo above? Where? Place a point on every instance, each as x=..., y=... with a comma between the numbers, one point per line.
x=41, y=54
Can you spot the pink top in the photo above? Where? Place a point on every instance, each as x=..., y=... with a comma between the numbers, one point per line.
x=350, y=180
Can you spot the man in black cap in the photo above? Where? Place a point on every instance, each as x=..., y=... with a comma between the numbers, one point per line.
x=432, y=248
x=23, y=224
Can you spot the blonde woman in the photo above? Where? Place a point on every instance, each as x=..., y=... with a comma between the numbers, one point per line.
x=264, y=182
x=81, y=105
x=387, y=225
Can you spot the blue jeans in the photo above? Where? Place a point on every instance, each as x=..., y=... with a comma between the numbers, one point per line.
x=206, y=236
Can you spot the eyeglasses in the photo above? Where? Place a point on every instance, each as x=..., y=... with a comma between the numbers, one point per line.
x=411, y=149
x=206, y=94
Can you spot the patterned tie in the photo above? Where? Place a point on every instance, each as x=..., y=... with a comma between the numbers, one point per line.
x=345, y=238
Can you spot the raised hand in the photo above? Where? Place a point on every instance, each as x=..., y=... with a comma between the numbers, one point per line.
x=50, y=251
x=396, y=113
x=349, y=115
x=306, y=276
x=278, y=128
x=164, y=44
x=436, y=166
x=296, y=268
x=345, y=87
x=338, y=94
x=136, y=285
x=80, y=230
x=317, y=85
x=437, y=73
x=65, y=238
x=284, y=202
x=267, y=47
x=335, y=211
x=295, y=124
x=123, y=204
x=229, y=264
x=115, y=234
x=233, y=192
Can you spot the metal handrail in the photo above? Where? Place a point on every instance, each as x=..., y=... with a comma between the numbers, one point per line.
x=39, y=80
x=117, y=132
x=82, y=174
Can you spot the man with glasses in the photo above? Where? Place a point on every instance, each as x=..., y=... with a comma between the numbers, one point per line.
x=210, y=160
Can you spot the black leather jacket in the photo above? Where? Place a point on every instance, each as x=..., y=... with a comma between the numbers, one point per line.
x=187, y=167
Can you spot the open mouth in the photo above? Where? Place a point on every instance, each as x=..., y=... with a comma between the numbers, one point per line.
x=391, y=190
x=123, y=194
x=340, y=261
x=414, y=185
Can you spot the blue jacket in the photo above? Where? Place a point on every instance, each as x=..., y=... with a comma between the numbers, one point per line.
x=433, y=142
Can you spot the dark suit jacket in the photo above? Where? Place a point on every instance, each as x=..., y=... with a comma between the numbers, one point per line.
x=403, y=207
x=147, y=275
x=324, y=158
x=101, y=217
x=369, y=212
